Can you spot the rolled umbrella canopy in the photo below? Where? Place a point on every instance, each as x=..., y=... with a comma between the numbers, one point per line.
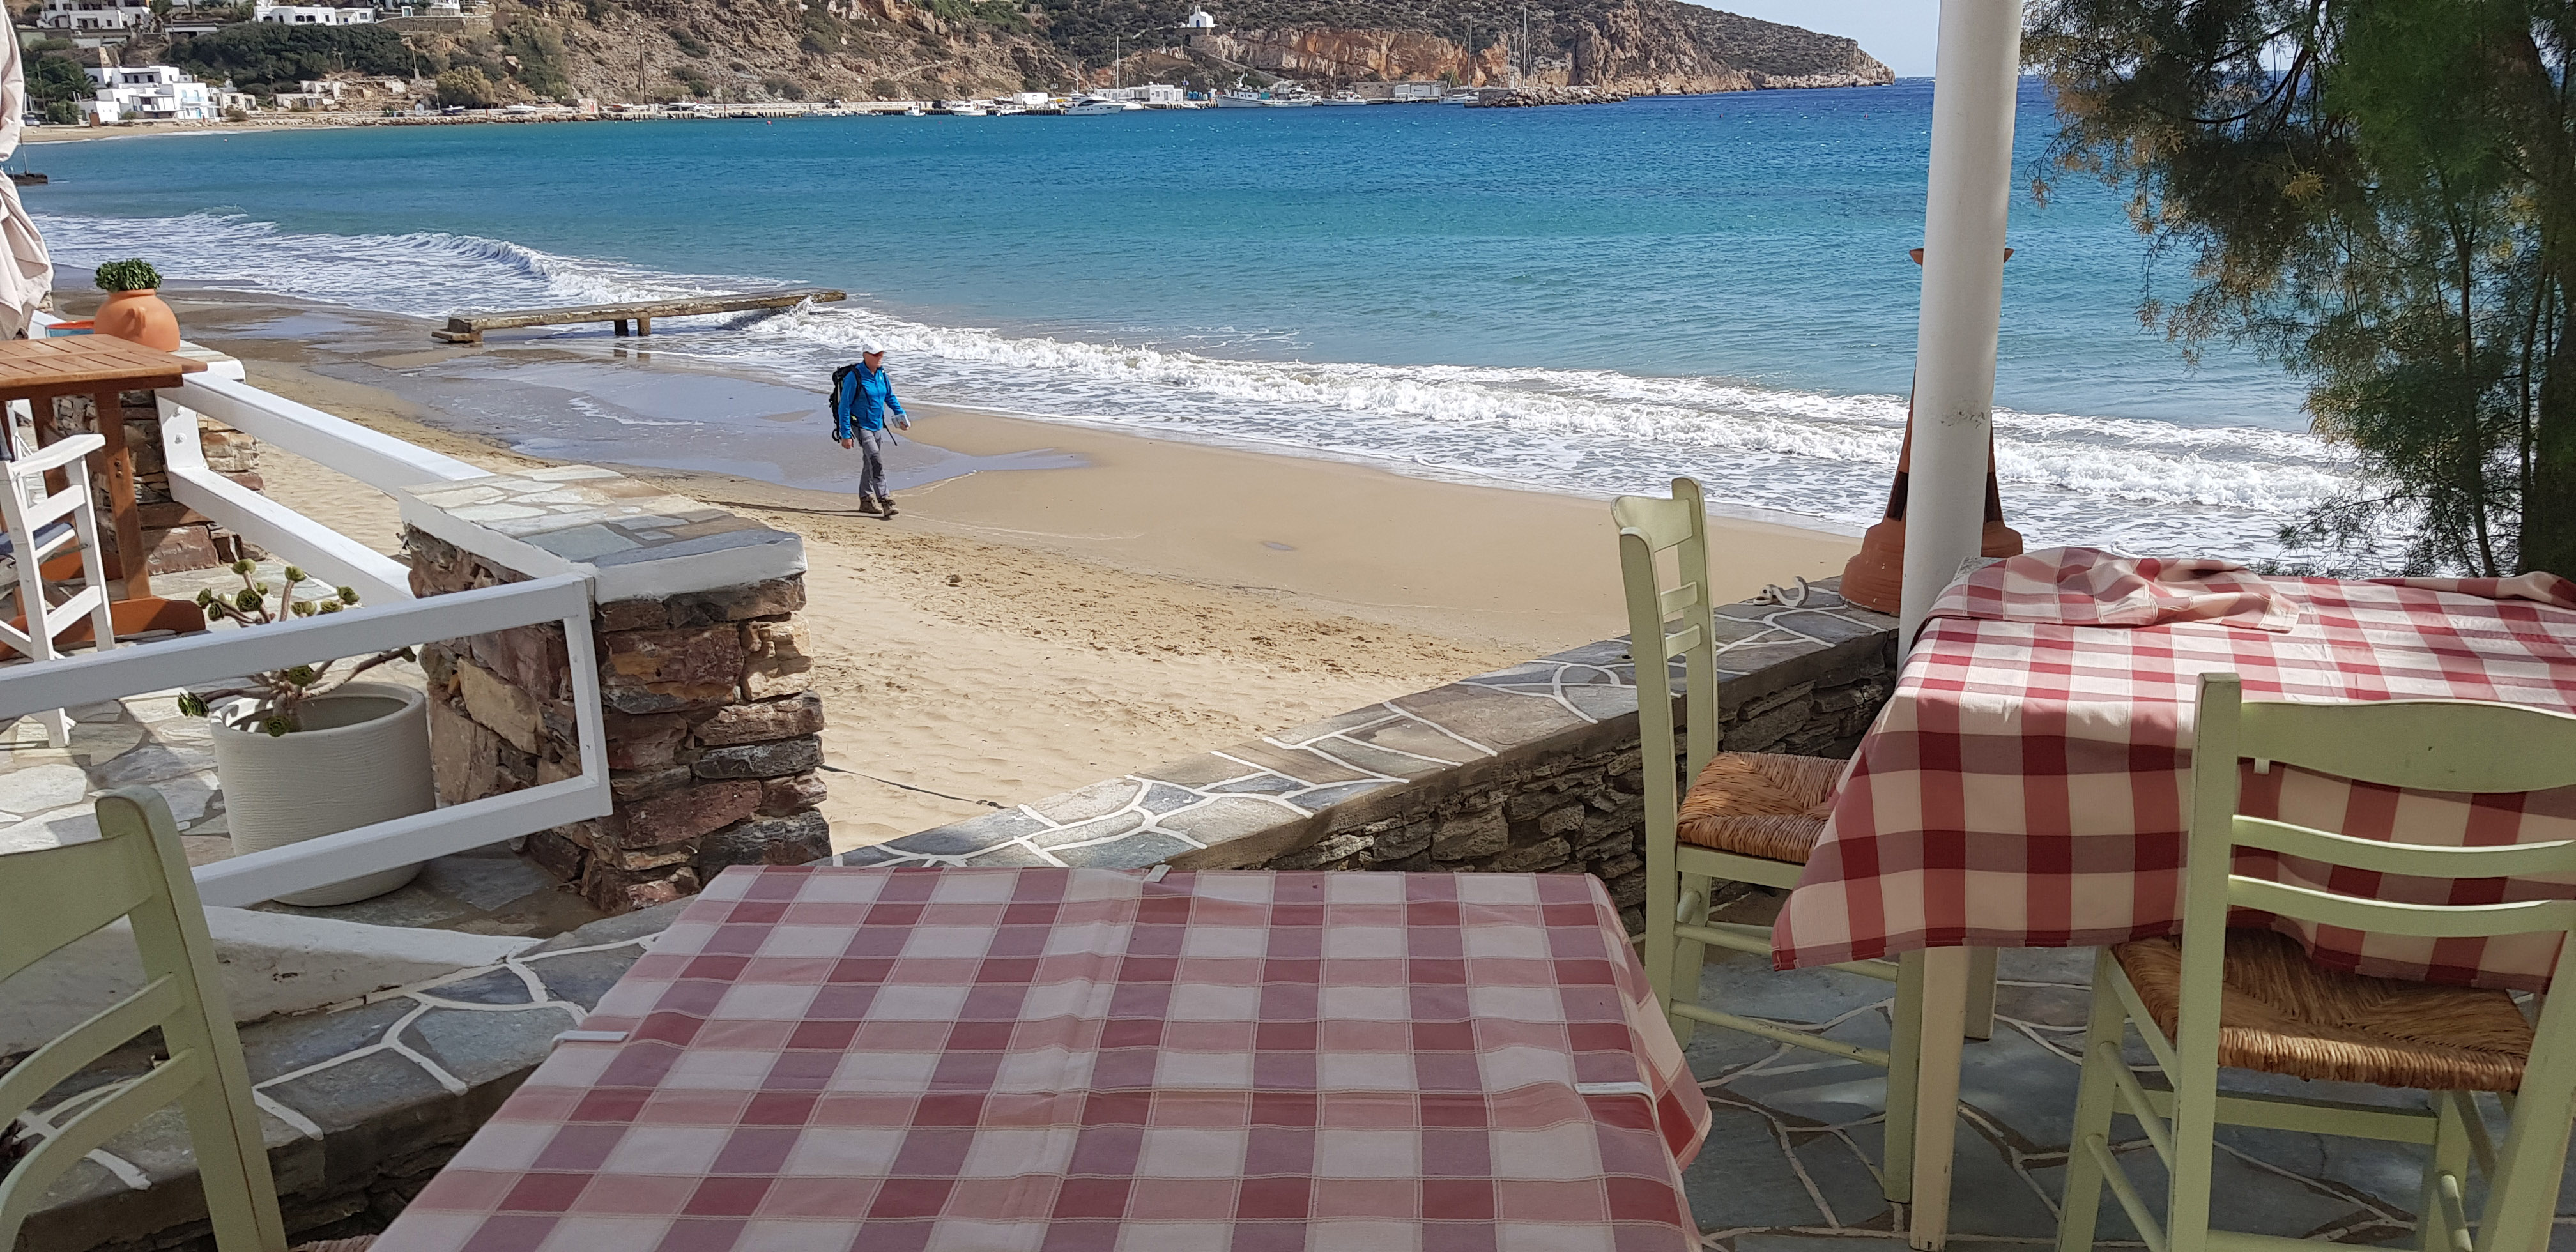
x=28, y=271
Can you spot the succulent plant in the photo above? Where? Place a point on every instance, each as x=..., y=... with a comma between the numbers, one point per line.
x=277, y=697
x=132, y=275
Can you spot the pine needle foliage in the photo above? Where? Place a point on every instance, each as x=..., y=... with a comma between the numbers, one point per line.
x=2381, y=196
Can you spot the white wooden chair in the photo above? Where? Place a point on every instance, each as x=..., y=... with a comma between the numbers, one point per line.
x=38, y=523
x=2250, y=999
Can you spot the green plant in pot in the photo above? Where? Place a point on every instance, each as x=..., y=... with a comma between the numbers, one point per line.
x=281, y=736
x=134, y=309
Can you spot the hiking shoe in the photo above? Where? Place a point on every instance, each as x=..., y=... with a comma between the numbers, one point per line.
x=888, y=502
x=868, y=505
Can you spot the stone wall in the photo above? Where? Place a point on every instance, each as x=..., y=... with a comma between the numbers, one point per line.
x=175, y=537
x=713, y=737
x=1534, y=768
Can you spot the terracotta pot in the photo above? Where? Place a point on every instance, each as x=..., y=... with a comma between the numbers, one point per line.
x=141, y=317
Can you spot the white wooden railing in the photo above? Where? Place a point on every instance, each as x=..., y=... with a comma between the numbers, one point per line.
x=389, y=617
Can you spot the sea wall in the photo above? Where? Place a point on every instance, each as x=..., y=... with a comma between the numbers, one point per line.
x=1532, y=769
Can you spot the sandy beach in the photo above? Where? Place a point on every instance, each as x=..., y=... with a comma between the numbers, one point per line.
x=1021, y=631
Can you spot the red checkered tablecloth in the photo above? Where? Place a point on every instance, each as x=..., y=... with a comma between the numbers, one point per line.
x=1054, y=1060
x=2026, y=785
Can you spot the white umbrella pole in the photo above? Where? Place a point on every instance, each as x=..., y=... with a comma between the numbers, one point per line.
x=1977, y=72
x=1954, y=397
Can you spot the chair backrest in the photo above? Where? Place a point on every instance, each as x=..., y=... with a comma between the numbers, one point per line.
x=28, y=501
x=1648, y=527
x=137, y=871
x=2415, y=745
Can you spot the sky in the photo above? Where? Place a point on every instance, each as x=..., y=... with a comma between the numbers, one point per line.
x=1898, y=32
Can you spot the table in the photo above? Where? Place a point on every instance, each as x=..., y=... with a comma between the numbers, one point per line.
x=2026, y=785
x=1065, y=1060
x=103, y=367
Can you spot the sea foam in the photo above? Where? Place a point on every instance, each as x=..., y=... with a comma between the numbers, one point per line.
x=1808, y=457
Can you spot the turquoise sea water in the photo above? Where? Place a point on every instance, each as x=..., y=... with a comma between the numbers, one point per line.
x=1586, y=299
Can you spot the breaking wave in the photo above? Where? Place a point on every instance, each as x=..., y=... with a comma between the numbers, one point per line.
x=1807, y=457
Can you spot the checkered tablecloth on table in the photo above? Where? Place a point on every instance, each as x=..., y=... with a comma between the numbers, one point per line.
x=2026, y=785
x=1057, y=1060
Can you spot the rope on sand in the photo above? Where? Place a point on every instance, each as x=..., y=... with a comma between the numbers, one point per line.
x=909, y=787
x=788, y=508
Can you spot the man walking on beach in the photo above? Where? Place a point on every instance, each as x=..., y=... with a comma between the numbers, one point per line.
x=861, y=398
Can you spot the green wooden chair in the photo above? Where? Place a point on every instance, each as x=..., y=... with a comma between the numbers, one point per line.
x=2250, y=999
x=51, y=897
x=1748, y=817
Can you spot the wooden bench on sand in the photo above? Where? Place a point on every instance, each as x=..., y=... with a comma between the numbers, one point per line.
x=469, y=327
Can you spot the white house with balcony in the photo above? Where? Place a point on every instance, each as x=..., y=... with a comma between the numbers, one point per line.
x=149, y=93
x=93, y=15
x=312, y=15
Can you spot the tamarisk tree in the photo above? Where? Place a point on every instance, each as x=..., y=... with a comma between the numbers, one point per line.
x=2380, y=195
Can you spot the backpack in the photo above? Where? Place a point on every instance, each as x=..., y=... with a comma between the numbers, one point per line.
x=837, y=375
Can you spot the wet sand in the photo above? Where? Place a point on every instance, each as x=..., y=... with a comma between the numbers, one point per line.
x=1056, y=604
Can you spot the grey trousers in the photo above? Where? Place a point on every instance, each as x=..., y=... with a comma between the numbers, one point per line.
x=872, y=445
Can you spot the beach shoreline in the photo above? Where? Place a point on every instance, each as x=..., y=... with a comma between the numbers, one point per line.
x=1057, y=603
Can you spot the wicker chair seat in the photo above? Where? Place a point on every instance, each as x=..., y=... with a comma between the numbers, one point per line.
x=2284, y=1014
x=1761, y=804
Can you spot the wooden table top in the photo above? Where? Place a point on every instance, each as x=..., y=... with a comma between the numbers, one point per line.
x=80, y=363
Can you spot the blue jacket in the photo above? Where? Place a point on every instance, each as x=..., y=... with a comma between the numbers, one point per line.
x=862, y=402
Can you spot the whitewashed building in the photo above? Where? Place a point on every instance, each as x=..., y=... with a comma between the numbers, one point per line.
x=149, y=93
x=1150, y=93
x=312, y=15
x=93, y=15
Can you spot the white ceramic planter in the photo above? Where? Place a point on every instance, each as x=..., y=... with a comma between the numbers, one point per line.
x=362, y=758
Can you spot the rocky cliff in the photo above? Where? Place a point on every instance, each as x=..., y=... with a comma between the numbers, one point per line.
x=640, y=50
x=1640, y=46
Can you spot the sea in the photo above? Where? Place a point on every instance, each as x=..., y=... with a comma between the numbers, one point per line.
x=1588, y=299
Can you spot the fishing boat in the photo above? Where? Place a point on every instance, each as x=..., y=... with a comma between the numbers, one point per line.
x=1240, y=98
x=1291, y=96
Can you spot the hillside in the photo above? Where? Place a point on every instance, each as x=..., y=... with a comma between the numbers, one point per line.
x=647, y=50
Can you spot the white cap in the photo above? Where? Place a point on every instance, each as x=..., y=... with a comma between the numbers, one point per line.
x=870, y=347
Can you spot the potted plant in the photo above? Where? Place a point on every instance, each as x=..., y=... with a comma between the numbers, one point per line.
x=302, y=753
x=134, y=309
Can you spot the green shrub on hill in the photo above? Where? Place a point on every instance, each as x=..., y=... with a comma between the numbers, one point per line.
x=468, y=87
x=1000, y=13
x=539, y=45
x=270, y=53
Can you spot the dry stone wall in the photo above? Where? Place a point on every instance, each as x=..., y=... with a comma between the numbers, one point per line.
x=713, y=738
